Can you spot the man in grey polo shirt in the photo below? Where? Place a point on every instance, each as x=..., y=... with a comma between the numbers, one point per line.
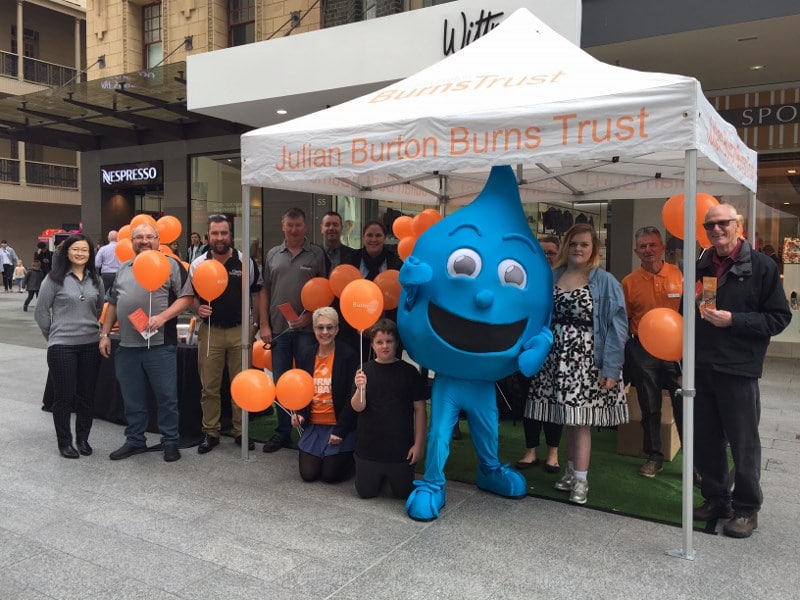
x=287, y=269
x=139, y=359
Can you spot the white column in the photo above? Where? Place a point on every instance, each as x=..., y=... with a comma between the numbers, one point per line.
x=78, y=50
x=20, y=44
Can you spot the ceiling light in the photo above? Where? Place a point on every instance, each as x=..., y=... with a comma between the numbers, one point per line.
x=281, y=111
x=757, y=67
x=785, y=203
x=791, y=171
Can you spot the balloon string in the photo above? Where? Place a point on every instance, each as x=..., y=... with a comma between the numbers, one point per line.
x=291, y=413
x=208, y=339
x=149, y=316
x=361, y=358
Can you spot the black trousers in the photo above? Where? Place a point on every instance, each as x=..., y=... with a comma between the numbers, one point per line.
x=649, y=375
x=31, y=294
x=370, y=476
x=74, y=373
x=728, y=408
x=8, y=277
x=533, y=429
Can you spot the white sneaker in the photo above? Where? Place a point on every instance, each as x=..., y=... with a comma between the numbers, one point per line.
x=580, y=489
x=565, y=483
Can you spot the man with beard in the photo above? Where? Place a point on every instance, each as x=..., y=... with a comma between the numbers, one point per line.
x=220, y=331
x=147, y=353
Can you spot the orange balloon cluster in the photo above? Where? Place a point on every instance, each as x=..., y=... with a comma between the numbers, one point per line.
x=295, y=389
x=661, y=333
x=408, y=230
x=253, y=390
x=672, y=215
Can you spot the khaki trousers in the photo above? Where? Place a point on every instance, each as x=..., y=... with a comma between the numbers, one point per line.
x=225, y=348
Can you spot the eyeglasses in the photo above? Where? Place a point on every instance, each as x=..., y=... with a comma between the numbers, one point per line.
x=217, y=218
x=721, y=224
x=326, y=327
x=79, y=250
x=140, y=238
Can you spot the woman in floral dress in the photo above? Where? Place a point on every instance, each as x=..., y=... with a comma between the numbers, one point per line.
x=580, y=383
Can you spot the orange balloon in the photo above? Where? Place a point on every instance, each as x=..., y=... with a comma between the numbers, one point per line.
x=266, y=357
x=258, y=354
x=143, y=219
x=169, y=228
x=151, y=269
x=341, y=276
x=661, y=333
x=403, y=226
x=361, y=303
x=316, y=293
x=210, y=279
x=406, y=247
x=253, y=390
x=389, y=284
x=672, y=215
x=295, y=389
x=166, y=250
x=124, y=233
x=124, y=250
x=424, y=220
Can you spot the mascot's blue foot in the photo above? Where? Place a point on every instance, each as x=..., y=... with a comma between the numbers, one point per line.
x=503, y=481
x=425, y=502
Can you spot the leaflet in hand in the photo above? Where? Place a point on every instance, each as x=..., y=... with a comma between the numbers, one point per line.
x=139, y=319
x=288, y=312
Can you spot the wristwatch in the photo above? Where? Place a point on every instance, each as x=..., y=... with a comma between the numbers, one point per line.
x=103, y=335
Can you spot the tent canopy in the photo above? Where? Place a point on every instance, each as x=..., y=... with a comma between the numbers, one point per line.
x=574, y=128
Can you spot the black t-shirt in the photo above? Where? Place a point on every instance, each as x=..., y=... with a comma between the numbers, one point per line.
x=386, y=425
x=227, y=308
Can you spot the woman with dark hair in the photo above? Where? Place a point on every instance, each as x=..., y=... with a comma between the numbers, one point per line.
x=67, y=311
x=327, y=443
x=580, y=384
x=372, y=259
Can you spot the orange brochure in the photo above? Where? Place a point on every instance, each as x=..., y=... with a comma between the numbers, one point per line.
x=139, y=319
x=288, y=312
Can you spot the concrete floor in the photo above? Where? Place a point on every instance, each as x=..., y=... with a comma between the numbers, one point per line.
x=216, y=526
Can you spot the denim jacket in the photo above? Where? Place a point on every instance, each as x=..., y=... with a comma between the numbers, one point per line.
x=609, y=321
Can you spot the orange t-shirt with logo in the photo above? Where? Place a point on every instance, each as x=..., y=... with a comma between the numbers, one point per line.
x=322, y=411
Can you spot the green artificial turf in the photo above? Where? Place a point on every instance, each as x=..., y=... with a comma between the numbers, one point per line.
x=614, y=484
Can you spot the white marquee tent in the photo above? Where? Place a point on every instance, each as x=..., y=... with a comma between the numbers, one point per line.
x=574, y=129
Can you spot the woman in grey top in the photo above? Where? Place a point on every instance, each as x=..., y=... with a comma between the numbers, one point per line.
x=67, y=312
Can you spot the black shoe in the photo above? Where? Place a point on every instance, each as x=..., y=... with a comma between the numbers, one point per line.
x=741, y=525
x=251, y=445
x=171, y=452
x=276, y=442
x=126, y=451
x=207, y=444
x=25, y=308
x=68, y=451
x=713, y=509
x=84, y=448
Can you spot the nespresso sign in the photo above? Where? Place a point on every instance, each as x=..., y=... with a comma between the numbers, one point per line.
x=756, y=116
x=137, y=174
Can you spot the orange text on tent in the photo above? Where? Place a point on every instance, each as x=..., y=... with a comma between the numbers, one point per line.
x=308, y=156
x=398, y=149
x=463, y=141
x=597, y=131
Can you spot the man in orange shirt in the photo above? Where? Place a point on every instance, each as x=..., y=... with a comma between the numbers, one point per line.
x=655, y=284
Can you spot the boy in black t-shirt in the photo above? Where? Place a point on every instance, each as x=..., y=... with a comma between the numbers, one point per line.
x=392, y=418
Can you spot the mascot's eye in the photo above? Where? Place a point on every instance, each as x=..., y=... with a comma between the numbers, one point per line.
x=464, y=263
x=512, y=273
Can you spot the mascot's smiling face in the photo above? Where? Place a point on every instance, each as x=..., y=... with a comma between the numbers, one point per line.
x=490, y=290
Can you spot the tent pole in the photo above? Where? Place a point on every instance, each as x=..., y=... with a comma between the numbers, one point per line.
x=687, y=386
x=751, y=217
x=442, y=194
x=246, y=317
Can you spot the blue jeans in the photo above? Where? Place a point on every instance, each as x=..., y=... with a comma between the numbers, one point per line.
x=285, y=348
x=134, y=368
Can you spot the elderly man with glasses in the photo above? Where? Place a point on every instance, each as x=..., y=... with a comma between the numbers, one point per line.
x=741, y=304
x=655, y=284
x=147, y=352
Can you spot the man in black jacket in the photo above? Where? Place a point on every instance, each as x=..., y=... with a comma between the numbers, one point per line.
x=741, y=305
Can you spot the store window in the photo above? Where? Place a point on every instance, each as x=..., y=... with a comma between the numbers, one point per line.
x=242, y=21
x=153, y=46
x=216, y=189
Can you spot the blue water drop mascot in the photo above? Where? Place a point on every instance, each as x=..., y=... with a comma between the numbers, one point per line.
x=475, y=307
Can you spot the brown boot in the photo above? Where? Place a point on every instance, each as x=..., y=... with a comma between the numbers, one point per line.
x=741, y=525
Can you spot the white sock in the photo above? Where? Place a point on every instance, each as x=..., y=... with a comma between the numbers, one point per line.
x=580, y=474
